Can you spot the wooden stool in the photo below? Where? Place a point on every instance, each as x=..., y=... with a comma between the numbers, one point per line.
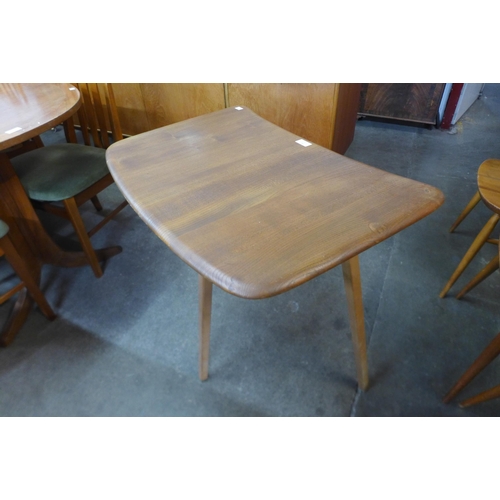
x=484, y=359
x=488, y=181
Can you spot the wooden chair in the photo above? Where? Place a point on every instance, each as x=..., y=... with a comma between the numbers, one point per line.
x=28, y=285
x=74, y=173
x=488, y=179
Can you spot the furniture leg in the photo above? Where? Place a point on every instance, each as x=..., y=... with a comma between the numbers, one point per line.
x=18, y=212
x=467, y=210
x=490, y=268
x=205, y=314
x=97, y=204
x=17, y=318
x=480, y=240
x=81, y=232
x=486, y=357
x=20, y=267
x=352, y=284
x=483, y=396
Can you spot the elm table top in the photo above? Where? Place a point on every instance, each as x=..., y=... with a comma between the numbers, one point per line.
x=253, y=211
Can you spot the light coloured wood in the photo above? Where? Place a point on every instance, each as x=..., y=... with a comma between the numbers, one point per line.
x=253, y=211
x=305, y=109
x=352, y=283
x=489, y=269
x=324, y=113
x=205, y=315
x=488, y=183
x=169, y=103
x=482, y=397
x=256, y=213
x=483, y=360
x=476, y=245
x=467, y=210
x=131, y=108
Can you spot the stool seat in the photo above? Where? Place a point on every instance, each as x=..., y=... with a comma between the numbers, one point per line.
x=488, y=183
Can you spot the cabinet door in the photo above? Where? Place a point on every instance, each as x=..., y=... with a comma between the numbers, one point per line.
x=416, y=102
x=168, y=103
x=309, y=110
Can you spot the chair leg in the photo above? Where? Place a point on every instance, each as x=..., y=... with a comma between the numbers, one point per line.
x=17, y=318
x=97, y=204
x=480, y=240
x=467, y=210
x=490, y=268
x=484, y=359
x=76, y=220
x=480, y=398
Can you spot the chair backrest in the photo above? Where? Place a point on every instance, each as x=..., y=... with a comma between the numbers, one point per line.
x=97, y=116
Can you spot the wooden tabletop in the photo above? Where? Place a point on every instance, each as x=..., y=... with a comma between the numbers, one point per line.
x=252, y=210
x=27, y=109
x=488, y=182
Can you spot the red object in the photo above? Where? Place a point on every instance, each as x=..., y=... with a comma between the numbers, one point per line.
x=451, y=105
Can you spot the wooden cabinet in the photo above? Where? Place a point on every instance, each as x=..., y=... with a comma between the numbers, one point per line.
x=323, y=113
x=415, y=102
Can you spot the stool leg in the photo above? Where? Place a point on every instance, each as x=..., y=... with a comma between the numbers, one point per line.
x=467, y=210
x=480, y=398
x=480, y=240
x=485, y=358
x=490, y=268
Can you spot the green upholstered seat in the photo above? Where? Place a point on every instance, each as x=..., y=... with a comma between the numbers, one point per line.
x=4, y=229
x=60, y=171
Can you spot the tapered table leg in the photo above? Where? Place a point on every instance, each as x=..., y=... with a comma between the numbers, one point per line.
x=205, y=312
x=466, y=211
x=352, y=284
x=486, y=357
x=480, y=240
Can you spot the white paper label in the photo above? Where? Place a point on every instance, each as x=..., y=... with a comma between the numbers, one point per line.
x=304, y=143
x=239, y=108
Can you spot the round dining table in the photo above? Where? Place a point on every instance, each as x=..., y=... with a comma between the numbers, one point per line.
x=26, y=111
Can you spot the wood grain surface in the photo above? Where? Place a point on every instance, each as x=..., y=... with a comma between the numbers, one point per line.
x=253, y=211
x=488, y=183
x=28, y=109
x=417, y=102
x=291, y=105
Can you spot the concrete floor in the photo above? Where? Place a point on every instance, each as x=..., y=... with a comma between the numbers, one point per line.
x=127, y=344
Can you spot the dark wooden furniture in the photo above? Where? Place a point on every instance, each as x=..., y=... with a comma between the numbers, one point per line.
x=27, y=110
x=61, y=177
x=257, y=211
x=414, y=102
x=20, y=258
x=488, y=181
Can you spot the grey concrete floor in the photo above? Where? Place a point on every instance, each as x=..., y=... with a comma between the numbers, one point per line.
x=127, y=344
